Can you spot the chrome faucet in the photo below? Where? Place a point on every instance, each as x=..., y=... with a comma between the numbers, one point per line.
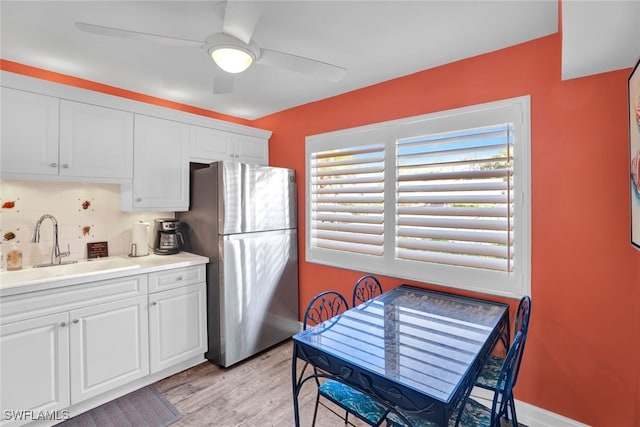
x=56, y=255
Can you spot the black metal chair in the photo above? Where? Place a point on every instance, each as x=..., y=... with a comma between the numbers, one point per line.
x=471, y=413
x=323, y=307
x=366, y=288
x=488, y=378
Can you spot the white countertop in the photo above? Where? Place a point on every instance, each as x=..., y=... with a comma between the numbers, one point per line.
x=31, y=279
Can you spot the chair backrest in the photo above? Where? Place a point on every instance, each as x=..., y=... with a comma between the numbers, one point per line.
x=522, y=325
x=504, y=386
x=366, y=288
x=323, y=307
x=522, y=315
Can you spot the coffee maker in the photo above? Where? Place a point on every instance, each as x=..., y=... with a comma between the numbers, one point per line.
x=166, y=236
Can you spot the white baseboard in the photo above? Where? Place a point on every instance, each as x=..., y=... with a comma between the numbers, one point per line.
x=530, y=415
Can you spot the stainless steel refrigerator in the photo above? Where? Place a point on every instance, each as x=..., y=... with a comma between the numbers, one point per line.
x=243, y=217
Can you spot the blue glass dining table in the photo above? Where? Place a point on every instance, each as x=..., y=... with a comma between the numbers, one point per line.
x=412, y=349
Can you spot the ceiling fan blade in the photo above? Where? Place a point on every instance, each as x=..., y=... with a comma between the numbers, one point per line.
x=136, y=35
x=222, y=82
x=302, y=65
x=241, y=17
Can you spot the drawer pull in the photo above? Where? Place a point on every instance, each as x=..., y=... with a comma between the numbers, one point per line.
x=179, y=278
x=154, y=303
x=65, y=166
x=53, y=165
x=75, y=321
x=63, y=324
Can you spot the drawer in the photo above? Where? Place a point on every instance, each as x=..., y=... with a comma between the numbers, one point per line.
x=176, y=277
x=39, y=303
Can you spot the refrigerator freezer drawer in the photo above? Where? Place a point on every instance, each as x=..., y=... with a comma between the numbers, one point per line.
x=258, y=285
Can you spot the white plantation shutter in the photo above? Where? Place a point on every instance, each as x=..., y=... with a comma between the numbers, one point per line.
x=347, y=199
x=442, y=198
x=454, y=198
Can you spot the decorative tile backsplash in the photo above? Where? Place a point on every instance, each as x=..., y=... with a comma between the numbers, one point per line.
x=85, y=213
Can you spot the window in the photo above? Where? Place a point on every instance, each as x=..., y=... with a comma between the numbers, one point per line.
x=441, y=198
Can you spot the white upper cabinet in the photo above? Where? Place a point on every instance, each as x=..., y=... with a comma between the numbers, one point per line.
x=249, y=149
x=56, y=132
x=47, y=138
x=208, y=145
x=161, y=166
x=95, y=142
x=29, y=133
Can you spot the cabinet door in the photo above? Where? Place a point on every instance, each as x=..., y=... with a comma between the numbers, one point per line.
x=209, y=145
x=95, y=142
x=249, y=149
x=29, y=133
x=109, y=346
x=177, y=326
x=161, y=165
x=34, y=361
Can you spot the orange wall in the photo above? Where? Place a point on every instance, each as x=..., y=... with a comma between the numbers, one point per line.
x=582, y=354
x=583, y=350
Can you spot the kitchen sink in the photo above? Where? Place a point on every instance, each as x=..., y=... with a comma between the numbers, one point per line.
x=29, y=275
x=98, y=265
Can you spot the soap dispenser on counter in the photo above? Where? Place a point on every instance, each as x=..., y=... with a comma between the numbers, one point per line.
x=14, y=257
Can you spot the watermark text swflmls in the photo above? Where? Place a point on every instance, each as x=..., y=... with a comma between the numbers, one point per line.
x=31, y=415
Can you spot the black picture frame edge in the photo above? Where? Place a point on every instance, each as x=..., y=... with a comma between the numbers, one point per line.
x=635, y=69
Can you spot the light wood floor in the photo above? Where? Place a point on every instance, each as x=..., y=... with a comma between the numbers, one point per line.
x=253, y=393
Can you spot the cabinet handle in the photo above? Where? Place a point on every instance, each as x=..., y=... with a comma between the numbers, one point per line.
x=154, y=303
x=75, y=321
x=63, y=324
x=65, y=166
x=138, y=199
x=179, y=278
x=53, y=165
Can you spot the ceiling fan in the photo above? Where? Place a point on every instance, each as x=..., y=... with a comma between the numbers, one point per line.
x=233, y=45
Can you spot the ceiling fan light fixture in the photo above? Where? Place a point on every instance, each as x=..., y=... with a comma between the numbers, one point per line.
x=232, y=59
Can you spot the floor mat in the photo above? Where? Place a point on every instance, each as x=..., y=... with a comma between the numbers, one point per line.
x=141, y=408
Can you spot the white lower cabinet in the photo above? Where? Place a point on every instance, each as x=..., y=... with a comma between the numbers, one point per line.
x=63, y=346
x=109, y=346
x=35, y=366
x=177, y=325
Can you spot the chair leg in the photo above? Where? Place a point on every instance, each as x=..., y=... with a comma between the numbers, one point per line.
x=514, y=418
x=346, y=418
x=315, y=410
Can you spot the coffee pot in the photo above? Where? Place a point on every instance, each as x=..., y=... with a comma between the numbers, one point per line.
x=167, y=237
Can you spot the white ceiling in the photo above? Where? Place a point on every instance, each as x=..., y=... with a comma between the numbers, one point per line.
x=599, y=36
x=374, y=40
